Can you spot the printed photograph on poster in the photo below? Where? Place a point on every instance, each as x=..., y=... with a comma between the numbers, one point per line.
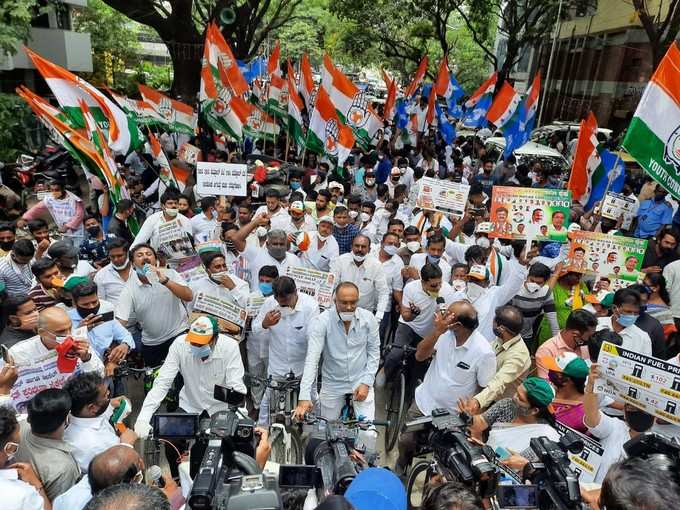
x=521, y=213
x=221, y=179
x=317, y=284
x=230, y=317
x=617, y=259
x=188, y=153
x=616, y=205
x=174, y=242
x=442, y=196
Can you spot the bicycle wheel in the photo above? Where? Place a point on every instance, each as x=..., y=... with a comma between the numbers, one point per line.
x=416, y=483
x=394, y=407
x=278, y=452
x=297, y=450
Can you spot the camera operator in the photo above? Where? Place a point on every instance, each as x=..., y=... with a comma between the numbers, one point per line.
x=464, y=363
x=204, y=358
x=611, y=432
x=348, y=338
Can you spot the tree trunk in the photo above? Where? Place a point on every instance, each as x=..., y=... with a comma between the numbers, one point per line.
x=186, y=67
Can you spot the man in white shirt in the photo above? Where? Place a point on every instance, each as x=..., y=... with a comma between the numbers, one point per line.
x=322, y=249
x=347, y=336
x=111, y=278
x=276, y=252
x=433, y=255
x=155, y=298
x=285, y=317
x=220, y=282
x=20, y=486
x=276, y=213
x=90, y=431
x=204, y=226
x=149, y=233
x=54, y=327
x=464, y=363
x=366, y=273
x=420, y=299
x=391, y=266
x=625, y=311
x=204, y=358
x=298, y=221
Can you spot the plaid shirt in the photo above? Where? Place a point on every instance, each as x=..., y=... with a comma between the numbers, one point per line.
x=345, y=236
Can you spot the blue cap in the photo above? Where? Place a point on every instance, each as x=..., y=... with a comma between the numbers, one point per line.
x=377, y=489
x=550, y=250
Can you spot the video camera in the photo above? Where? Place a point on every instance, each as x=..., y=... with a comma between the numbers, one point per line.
x=456, y=456
x=557, y=483
x=650, y=443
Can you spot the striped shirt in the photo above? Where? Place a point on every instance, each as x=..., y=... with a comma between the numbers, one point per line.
x=17, y=279
x=41, y=298
x=532, y=304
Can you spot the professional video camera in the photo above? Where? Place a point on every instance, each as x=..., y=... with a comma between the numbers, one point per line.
x=650, y=443
x=456, y=457
x=556, y=482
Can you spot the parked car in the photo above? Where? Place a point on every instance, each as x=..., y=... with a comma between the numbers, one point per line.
x=567, y=131
x=527, y=153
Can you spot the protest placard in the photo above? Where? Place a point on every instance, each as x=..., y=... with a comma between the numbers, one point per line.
x=617, y=204
x=188, y=153
x=586, y=463
x=536, y=213
x=174, y=241
x=36, y=377
x=254, y=305
x=315, y=283
x=231, y=318
x=221, y=179
x=616, y=258
x=443, y=196
x=648, y=383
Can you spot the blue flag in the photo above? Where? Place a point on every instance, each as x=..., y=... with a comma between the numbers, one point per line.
x=475, y=117
x=446, y=130
x=401, y=113
x=616, y=174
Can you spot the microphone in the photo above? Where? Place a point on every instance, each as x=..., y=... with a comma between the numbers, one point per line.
x=154, y=477
x=441, y=305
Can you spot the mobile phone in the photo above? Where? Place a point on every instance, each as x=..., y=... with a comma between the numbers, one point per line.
x=502, y=453
x=517, y=496
x=5, y=354
x=106, y=317
x=175, y=425
x=299, y=476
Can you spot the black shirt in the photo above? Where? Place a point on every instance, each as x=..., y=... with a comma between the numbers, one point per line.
x=654, y=329
x=11, y=336
x=652, y=259
x=120, y=229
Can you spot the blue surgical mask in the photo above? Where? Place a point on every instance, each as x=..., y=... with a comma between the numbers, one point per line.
x=433, y=260
x=266, y=288
x=294, y=185
x=627, y=320
x=200, y=352
x=141, y=271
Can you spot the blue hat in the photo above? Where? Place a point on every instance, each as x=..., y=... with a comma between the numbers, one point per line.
x=550, y=250
x=377, y=489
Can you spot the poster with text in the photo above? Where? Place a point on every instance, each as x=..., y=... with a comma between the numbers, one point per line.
x=442, y=196
x=616, y=258
x=317, y=284
x=521, y=213
x=616, y=205
x=221, y=179
x=174, y=242
x=587, y=462
x=648, y=383
x=231, y=318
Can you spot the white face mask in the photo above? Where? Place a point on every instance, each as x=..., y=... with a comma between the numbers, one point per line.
x=172, y=212
x=346, y=316
x=413, y=246
x=533, y=287
x=474, y=291
x=459, y=285
x=353, y=214
x=261, y=231
x=483, y=242
x=286, y=311
x=365, y=217
x=358, y=258
x=120, y=268
x=322, y=238
x=219, y=276
x=390, y=249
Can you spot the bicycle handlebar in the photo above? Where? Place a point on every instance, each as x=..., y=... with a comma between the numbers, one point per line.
x=311, y=418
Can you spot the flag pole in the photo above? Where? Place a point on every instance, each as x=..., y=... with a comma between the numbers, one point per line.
x=287, y=144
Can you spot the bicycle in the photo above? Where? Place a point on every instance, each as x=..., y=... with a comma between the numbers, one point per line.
x=284, y=436
x=399, y=396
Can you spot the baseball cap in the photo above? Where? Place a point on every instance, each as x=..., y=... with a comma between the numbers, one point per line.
x=478, y=272
x=539, y=390
x=297, y=206
x=567, y=363
x=603, y=298
x=202, y=330
x=484, y=227
x=395, y=171
x=326, y=219
x=335, y=184
x=574, y=227
x=376, y=489
x=72, y=281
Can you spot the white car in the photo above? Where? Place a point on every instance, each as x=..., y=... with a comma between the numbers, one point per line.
x=567, y=131
x=530, y=151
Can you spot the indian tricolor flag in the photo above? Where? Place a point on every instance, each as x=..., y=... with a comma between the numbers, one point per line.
x=222, y=62
x=306, y=82
x=295, y=107
x=354, y=110
x=327, y=72
x=327, y=134
x=504, y=106
x=165, y=174
x=69, y=89
x=177, y=116
x=144, y=114
x=653, y=137
x=418, y=78
x=277, y=95
x=260, y=125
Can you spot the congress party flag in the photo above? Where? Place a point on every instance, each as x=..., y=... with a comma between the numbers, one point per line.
x=306, y=82
x=177, y=116
x=417, y=78
x=653, y=137
x=327, y=134
x=295, y=107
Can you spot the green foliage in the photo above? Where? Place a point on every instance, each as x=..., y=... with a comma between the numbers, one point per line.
x=114, y=40
x=299, y=36
x=15, y=23
x=16, y=120
x=155, y=76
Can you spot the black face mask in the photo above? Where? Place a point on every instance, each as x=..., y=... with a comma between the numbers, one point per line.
x=84, y=312
x=103, y=408
x=639, y=421
x=93, y=231
x=6, y=245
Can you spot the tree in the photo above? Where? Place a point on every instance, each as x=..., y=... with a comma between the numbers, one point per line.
x=15, y=23
x=660, y=29
x=181, y=25
x=114, y=41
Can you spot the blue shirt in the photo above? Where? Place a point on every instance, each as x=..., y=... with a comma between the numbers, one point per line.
x=101, y=336
x=651, y=217
x=345, y=236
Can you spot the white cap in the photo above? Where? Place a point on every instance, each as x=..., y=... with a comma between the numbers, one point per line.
x=326, y=219
x=335, y=184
